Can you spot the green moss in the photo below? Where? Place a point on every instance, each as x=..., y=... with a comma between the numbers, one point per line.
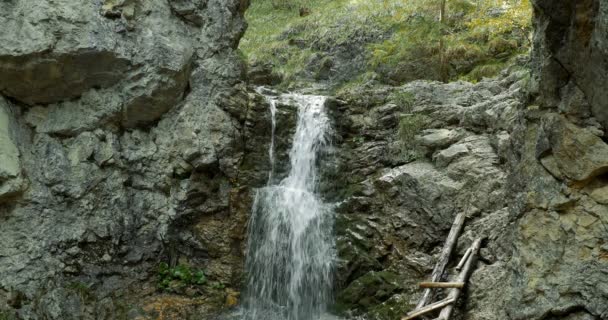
x=392, y=309
x=370, y=290
x=500, y=45
x=484, y=71
x=7, y=315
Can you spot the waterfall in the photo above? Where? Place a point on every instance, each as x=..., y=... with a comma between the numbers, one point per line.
x=290, y=252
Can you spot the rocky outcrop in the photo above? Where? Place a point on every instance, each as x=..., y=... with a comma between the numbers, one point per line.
x=416, y=163
x=524, y=156
x=119, y=152
x=570, y=50
x=11, y=180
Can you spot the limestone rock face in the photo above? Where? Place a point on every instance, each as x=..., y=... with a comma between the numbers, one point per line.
x=524, y=155
x=11, y=180
x=118, y=153
x=531, y=178
x=139, y=53
x=411, y=171
x=570, y=48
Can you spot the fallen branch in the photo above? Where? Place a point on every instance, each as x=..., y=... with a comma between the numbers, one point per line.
x=441, y=284
x=444, y=258
x=446, y=313
x=431, y=307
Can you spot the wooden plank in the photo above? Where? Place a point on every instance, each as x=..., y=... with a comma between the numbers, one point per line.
x=464, y=259
x=446, y=313
x=431, y=307
x=441, y=284
x=444, y=258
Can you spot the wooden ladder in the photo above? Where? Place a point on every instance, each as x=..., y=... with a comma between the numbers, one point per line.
x=465, y=266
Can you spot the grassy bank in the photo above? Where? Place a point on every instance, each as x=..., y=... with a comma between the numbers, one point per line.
x=348, y=42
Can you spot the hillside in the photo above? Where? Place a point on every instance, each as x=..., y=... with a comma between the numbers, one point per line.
x=348, y=42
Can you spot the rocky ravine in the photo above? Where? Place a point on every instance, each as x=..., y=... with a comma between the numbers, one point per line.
x=128, y=138
x=525, y=155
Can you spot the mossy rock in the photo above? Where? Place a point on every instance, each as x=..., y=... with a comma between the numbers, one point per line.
x=392, y=309
x=369, y=291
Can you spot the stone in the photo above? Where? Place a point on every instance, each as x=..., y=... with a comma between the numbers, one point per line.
x=36, y=68
x=438, y=138
x=232, y=298
x=571, y=42
x=600, y=195
x=579, y=154
x=444, y=157
x=11, y=181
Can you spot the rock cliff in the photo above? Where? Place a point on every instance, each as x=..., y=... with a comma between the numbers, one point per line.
x=123, y=124
x=129, y=145
x=523, y=154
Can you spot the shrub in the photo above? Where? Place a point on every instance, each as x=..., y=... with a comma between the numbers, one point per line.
x=409, y=126
x=403, y=99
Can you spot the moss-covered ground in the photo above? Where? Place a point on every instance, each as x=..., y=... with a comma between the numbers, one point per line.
x=399, y=40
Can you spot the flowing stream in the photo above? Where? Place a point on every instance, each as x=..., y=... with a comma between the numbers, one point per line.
x=290, y=253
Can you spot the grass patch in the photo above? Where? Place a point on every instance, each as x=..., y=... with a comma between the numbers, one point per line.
x=409, y=126
x=83, y=290
x=398, y=40
x=403, y=99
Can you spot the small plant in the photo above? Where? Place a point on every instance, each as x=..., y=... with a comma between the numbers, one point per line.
x=218, y=285
x=358, y=140
x=409, y=126
x=403, y=99
x=6, y=315
x=82, y=289
x=179, y=276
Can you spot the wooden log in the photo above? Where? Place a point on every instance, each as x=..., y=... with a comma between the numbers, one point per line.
x=464, y=259
x=444, y=258
x=441, y=284
x=446, y=313
x=431, y=307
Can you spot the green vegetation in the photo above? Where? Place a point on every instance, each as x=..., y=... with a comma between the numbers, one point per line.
x=170, y=278
x=82, y=289
x=409, y=126
x=403, y=99
x=5, y=315
x=399, y=40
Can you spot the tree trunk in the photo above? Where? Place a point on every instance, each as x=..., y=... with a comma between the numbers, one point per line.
x=443, y=70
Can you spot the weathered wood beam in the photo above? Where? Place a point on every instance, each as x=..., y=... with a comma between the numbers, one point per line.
x=464, y=275
x=431, y=307
x=444, y=258
x=441, y=284
x=464, y=259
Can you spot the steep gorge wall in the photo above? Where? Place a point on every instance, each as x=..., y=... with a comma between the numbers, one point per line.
x=124, y=125
x=524, y=154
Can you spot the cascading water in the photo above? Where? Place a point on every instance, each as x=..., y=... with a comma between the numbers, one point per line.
x=291, y=251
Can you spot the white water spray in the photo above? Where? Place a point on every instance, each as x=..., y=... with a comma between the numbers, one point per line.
x=290, y=252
